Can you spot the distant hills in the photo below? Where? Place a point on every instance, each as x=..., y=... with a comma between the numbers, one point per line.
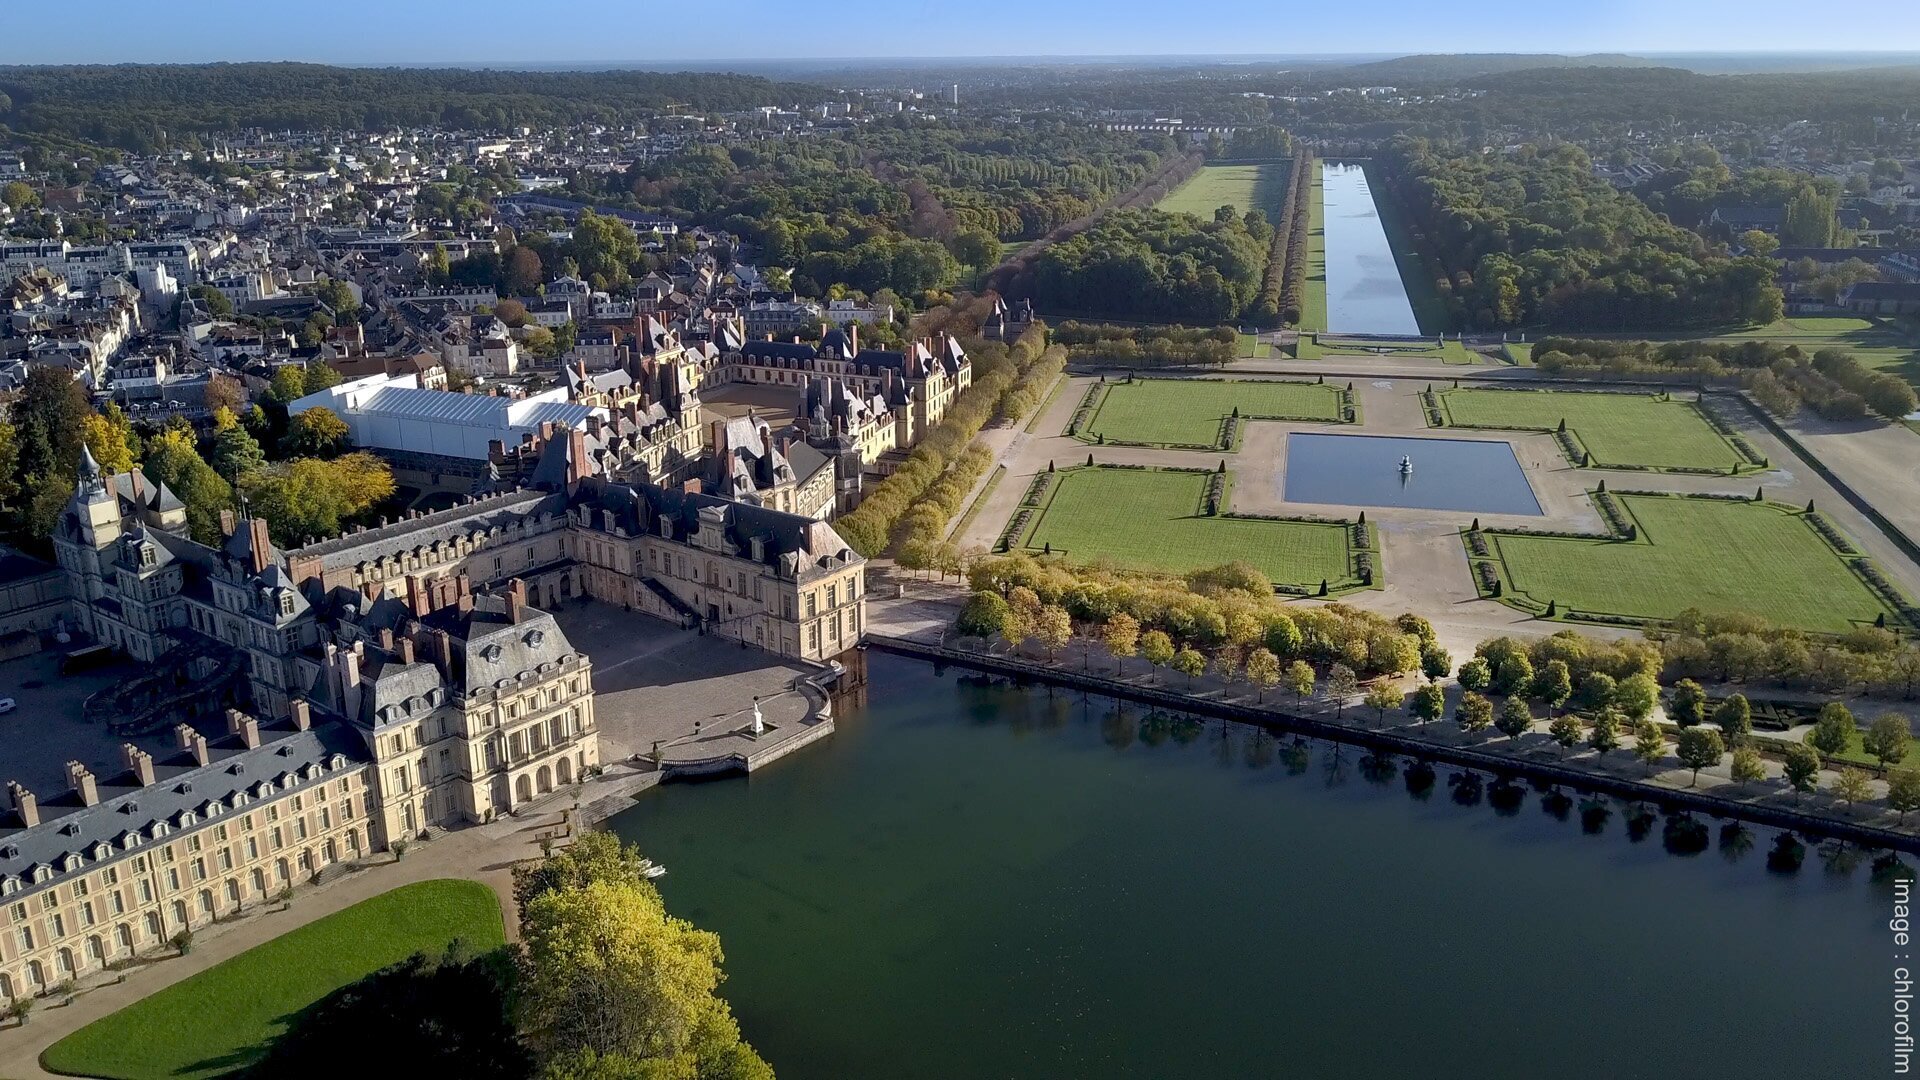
x=1467, y=65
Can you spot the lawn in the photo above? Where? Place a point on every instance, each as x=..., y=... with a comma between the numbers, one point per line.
x=1624, y=430
x=221, y=1019
x=1188, y=412
x=1876, y=343
x=1715, y=555
x=1151, y=519
x=1313, y=300
x=1244, y=187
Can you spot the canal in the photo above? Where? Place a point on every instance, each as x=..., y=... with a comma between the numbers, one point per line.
x=1364, y=292
x=975, y=880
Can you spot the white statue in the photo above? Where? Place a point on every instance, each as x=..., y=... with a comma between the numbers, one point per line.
x=759, y=722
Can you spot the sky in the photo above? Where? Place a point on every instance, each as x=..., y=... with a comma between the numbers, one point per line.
x=653, y=33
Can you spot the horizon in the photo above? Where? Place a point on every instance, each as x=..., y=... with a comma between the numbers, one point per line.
x=227, y=31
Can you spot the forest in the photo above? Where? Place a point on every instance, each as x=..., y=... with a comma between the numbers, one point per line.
x=1533, y=238
x=1148, y=264
x=139, y=107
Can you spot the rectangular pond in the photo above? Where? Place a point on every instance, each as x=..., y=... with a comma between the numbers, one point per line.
x=1364, y=292
x=1478, y=476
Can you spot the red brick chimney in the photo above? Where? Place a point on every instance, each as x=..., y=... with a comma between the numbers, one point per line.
x=577, y=466
x=226, y=523
x=260, y=544
x=516, y=600
x=463, y=592
x=406, y=650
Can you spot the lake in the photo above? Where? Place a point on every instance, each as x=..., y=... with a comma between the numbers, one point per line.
x=1364, y=292
x=970, y=880
x=1474, y=475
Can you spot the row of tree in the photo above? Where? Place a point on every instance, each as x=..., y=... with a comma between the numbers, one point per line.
x=1148, y=264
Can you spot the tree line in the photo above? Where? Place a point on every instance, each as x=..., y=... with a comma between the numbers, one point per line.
x=1148, y=264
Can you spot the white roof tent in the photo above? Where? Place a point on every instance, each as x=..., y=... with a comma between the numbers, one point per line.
x=392, y=412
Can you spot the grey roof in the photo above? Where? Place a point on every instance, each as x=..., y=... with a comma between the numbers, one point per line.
x=66, y=827
x=496, y=511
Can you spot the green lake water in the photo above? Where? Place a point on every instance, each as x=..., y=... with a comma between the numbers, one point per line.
x=975, y=880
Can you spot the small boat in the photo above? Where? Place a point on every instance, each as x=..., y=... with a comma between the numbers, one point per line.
x=653, y=871
x=1406, y=465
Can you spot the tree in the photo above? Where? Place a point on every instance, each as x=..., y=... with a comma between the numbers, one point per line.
x=1434, y=662
x=1903, y=790
x=609, y=972
x=1516, y=719
x=109, y=435
x=1649, y=743
x=1158, y=649
x=317, y=376
x=1381, y=696
x=1604, y=735
x=1429, y=702
x=1342, y=684
x=1887, y=738
x=512, y=312
x=225, y=392
x=1833, y=732
x=522, y=272
x=1689, y=703
x=1474, y=713
x=1475, y=675
x=338, y=296
x=289, y=384
x=215, y=301
x=1189, y=662
x=173, y=460
x=1054, y=628
x=309, y=498
x=235, y=453
x=1301, y=679
x=1596, y=690
x=316, y=432
x=1514, y=675
x=1734, y=718
x=49, y=420
x=1263, y=671
x=982, y=615
x=18, y=196
x=1698, y=748
x=1802, y=768
x=1121, y=635
x=1565, y=730
x=1553, y=684
x=1851, y=786
x=1636, y=695
x=1747, y=765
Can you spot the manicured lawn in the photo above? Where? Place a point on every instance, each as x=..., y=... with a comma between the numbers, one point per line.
x=1716, y=555
x=1243, y=187
x=222, y=1019
x=1313, y=299
x=1633, y=430
x=1152, y=520
x=1188, y=412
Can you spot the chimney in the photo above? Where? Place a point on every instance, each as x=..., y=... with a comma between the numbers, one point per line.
x=226, y=523
x=577, y=467
x=350, y=681
x=138, y=762
x=135, y=477
x=386, y=638
x=418, y=602
x=239, y=723
x=191, y=741
x=691, y=485
x=516, y=600
x=853, y=337
x=406, y=650
x=260, y=545
x=302, y=714
x=463, y=592
x=81, y=780
x=24, y=803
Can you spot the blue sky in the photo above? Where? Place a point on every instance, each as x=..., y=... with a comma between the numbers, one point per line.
x=402, y=31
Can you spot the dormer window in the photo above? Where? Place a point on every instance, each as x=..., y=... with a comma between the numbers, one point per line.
x=286, y=601
x=491, y=653
x=11, y=851
x=534, y=638
x=146, y=555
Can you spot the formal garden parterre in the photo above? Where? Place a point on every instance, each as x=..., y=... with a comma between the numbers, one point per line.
x=1176, y=520
x=1605, y=429
x=1201, y=414
x=1664, y=553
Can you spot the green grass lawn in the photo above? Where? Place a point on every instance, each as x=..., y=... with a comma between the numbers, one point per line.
x=1876, y=343
x=1716, y=555
x=1313, y=298
x=1152, y=520
x=221, y=1019
x=1632, y=430
x=1188, y=412
x=1243, y=187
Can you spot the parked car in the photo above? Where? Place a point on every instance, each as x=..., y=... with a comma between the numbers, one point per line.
x=7, y=705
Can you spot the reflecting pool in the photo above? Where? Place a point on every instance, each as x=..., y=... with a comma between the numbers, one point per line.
x=1478, y=476
x=1364, y=292
x=972, y=880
